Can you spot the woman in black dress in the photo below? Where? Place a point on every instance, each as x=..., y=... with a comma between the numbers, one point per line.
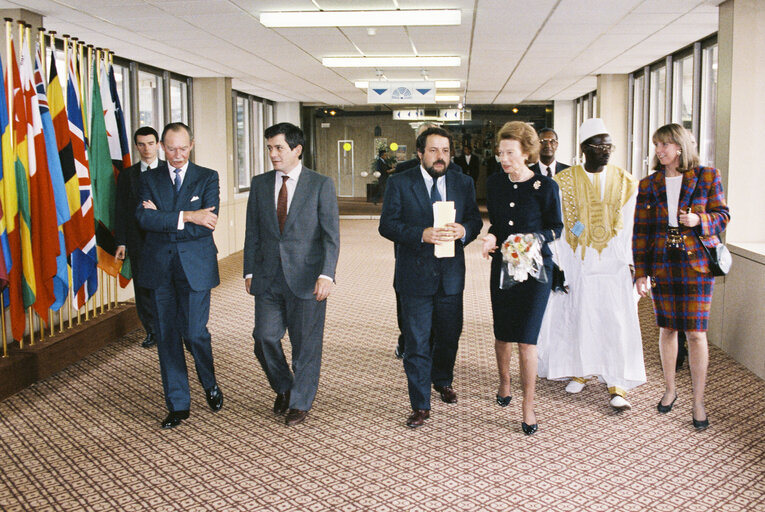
x=519, y=201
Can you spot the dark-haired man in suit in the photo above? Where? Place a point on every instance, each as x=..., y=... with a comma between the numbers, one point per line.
x=128, y=235
x=291, y=246
x=179, y=211
x=469, y=163
x=430, y=289
x=547, y=164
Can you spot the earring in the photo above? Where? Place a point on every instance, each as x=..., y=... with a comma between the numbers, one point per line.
x=679, y=152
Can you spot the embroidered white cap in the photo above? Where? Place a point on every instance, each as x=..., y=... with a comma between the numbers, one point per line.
x=591, y=127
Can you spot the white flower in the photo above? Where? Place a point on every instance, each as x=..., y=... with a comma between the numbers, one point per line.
x=537, y=184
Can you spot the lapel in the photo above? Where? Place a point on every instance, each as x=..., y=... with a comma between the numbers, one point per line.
x=452, y=192
x=690, y=179
x=165, y=194
x=299, y=199
x=422, y=194
x=660, y=192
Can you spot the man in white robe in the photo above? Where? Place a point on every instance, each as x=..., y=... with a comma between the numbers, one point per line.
x=593, y=332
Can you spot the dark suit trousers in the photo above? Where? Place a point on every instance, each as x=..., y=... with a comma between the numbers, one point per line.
x=184, y=312
x=278, y=310
x=425, y=364
x=144, y=302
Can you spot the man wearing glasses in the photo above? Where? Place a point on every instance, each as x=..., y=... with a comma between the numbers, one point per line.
x=592, y=332
x=547, y=164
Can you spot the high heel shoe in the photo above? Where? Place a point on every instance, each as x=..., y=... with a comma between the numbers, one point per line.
x=700, y=425
x=664, y=409
x=530, y=429
x=504, y=401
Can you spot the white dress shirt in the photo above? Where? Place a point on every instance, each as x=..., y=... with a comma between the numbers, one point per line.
x=182, y=175
x=151, y=165
x=548, y=170
x=440, y=184
x=674, y=184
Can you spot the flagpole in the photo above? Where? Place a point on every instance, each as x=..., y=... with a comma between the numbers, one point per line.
x=64, y=90
x=51, y=323
x=31, y=326
x=43, y=51
x=9, y=93
x=2, y=320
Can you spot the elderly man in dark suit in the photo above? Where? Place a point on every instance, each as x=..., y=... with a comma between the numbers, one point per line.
x=547, y=164
x=430, y=288
x=179, y=211
x=128, y=235
x=291, y=246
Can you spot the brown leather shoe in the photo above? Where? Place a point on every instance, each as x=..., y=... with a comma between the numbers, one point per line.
x=417, y=418
x=448, y=394
x=282, y=403
x=295, y=417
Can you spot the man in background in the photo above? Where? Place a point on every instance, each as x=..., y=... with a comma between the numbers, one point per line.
x=128, y=235
x=469, y=163
x=547, y=164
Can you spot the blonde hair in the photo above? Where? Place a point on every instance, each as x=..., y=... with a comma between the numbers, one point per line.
x=675, y=134
x=524, y=134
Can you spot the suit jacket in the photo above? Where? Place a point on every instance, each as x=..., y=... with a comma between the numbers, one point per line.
x=194, y=244
x=473, y=168
x=652, y=218
x=126, y=229
x=406, y=212
x=382, y=167
x=558, y=167
x=310, y=243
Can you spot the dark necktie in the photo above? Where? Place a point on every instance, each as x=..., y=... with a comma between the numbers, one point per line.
x=434, y=195
x=281, y=204
x=549, y=171
x=177, y=182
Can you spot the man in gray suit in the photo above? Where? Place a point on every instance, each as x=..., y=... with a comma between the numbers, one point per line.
x=291, y=247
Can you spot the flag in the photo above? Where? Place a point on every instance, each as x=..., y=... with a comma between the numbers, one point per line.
x=103, y=150
x=7, y=220
x=119, y=116
x=42, y=206
x=21, y=166
x=56, y=176
x=83, y=258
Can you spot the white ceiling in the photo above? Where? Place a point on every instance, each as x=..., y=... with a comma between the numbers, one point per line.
x=512, y=50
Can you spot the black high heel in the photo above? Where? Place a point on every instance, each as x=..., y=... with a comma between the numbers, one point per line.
x=504, y=401
x=664, y=409
x=700, y=425
x=530, y=429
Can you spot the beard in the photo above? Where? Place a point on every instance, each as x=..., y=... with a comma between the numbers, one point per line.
x=433, y=172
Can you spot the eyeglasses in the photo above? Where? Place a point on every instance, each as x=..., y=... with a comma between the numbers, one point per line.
x=552, y=142
x=603, y=147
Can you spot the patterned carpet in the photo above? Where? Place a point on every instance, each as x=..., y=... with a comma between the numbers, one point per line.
x=88, y=438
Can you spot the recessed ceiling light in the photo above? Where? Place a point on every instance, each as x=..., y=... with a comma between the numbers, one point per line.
x=390, y=62
x=448, y=98
x=440, y=84
x=395, y=18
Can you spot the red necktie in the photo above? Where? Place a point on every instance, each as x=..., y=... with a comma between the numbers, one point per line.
x=281, y=204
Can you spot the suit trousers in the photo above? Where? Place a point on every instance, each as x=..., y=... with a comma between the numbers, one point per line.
x=182, y=312
x=144, y=301
x=278, y=310
x=426, y=362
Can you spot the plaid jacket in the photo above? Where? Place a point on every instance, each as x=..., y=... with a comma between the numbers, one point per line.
x=651, y=220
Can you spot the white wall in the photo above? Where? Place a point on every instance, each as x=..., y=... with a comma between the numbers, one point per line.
x=564, y=122
x=287, y=112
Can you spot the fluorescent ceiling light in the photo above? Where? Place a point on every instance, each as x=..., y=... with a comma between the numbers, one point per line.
x=440, y=84
x=448, y=98
x=420, y=17
x=390, y=62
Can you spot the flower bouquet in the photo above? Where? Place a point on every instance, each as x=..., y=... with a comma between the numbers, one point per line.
x=521, y=258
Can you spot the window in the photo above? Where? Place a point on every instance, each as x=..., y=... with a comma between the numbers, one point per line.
x=682, y=92
x=121, y=77
x=150, y=100
x=708, y=105
x=179, y=102
x=242, y=142
x=658, y=99
x=638, y=127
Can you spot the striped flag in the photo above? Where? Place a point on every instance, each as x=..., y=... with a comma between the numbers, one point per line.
x=21, y=165
x=83, y=258
x=119, y=116
x=44, y=227
x=56, y=176
x=105, y=162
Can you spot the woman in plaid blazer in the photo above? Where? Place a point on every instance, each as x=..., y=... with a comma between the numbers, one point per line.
x=680, y=198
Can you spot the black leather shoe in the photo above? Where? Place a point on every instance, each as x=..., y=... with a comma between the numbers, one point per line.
x=149, y=341
x=399, y=353
x=295, y=417
x=448, y=394
x=282, y=403
x=664, y=409
x=504, y=401
x=700, y=425
x=174, y=419
x=214, y=398
x=529, y=429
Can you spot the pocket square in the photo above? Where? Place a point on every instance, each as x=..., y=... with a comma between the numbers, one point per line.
x=194, y=198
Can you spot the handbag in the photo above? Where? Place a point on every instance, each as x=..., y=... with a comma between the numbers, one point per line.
x=719, y=256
